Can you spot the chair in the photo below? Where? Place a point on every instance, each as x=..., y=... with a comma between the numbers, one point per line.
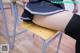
x=47, y=35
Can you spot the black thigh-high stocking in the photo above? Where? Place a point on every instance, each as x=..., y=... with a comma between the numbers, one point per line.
x=73, y=30
x=77, y=48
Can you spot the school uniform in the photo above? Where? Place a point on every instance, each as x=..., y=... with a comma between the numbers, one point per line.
x=42, y=7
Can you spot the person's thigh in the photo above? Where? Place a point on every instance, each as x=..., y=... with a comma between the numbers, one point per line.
x=57, y=21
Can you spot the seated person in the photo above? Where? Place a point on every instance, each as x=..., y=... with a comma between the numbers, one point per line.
x=65, y=21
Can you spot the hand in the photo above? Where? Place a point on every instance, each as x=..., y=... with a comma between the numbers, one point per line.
x=24, y=1
x=75, y=10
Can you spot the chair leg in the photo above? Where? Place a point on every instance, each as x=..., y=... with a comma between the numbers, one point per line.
x=33, y=41
x=44, y=46
x=58, y=47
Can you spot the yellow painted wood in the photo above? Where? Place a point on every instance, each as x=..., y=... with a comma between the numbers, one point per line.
x=42, y=32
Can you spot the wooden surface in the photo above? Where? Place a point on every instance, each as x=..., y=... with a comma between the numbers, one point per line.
x=24, y=42
x=42, y=32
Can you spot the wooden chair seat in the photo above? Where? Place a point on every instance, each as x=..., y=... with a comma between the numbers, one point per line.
x=42, y=32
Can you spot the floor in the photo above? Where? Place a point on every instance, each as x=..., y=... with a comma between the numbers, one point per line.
x=24, y=44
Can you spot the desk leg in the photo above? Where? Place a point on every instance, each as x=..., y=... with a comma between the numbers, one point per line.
x=5, y=26
x=15, y=15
